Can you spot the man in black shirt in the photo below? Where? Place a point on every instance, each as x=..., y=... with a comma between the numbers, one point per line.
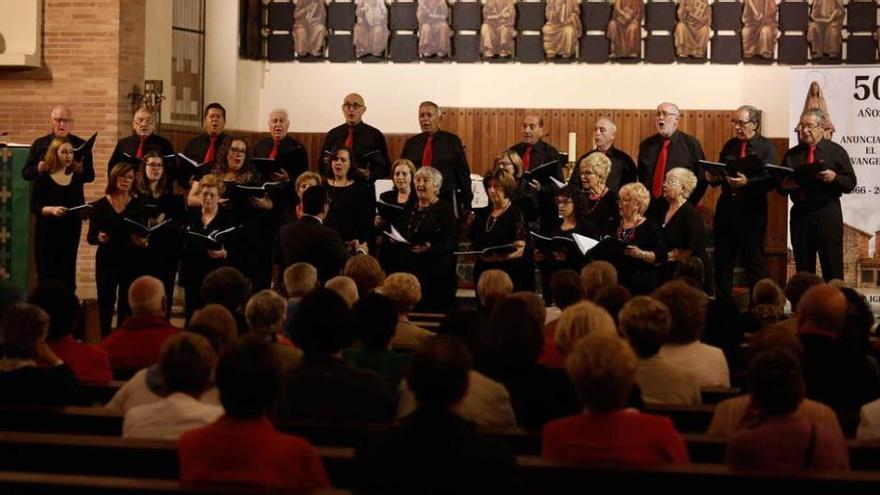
x=535, y=153
x=144, y=139
x=623, y=168
x=741, y=213
x=443, y=151
x=667, y=149
x=370, y=151
x=206, y=148
x=816, y=221
x=61, y=120
x=291, y=155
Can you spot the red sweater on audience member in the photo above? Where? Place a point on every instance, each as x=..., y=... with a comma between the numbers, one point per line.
x=249, y=452
x=90, y=363
x=623, y=436
x=136, y=343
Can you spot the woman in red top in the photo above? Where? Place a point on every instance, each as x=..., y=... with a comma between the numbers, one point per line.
x=602, y=369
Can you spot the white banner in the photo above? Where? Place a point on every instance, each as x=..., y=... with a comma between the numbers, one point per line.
x=850, y=98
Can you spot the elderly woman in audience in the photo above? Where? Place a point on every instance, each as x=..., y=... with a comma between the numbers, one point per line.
x=375, y=318
x=601, y=211
x=265, y=313
x=430, y=229
x=645, y=321
x=352, y=201
x=578, y=321
x=684, y=234
x=612, y=298
x=187, y=364
x=365, y=271
x=243, y=448
x=566, y=289
x=324, y=387
x=492, y=286
x=436, y=448
x=779, y=437
x=215, y=323
x=24, y=343
x=89, y=362
x=688, y=307
x=299, y=279
x=596, y=276
x=405, y=291
x=603, y=368
x=643, y=240
x=511, y=344
x=501, y=225
x=345, y=287
x=739, y=412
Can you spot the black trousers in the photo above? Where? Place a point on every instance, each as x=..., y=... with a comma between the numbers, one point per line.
x=818, y=231
x=739, y=232
x=113, y=276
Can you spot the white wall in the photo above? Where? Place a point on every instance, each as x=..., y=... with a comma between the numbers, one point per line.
x=157, y=51
x=313, y=92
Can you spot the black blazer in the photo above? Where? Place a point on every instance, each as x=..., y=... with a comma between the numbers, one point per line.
x=309, y=240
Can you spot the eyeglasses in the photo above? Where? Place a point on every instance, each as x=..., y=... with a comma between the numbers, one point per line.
x=740, y=123
x=238, y=151
x=155, y=164
x=663, y=114
x=352, y=106
x=805, y=127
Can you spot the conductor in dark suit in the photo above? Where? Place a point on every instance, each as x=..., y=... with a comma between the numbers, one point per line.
x=667, y=149
x=443, y=151
x=741, y=213
x=144, y=139
x=310, y=241
x=206, y=147
x=535, y=153
x=816, y=219
x=61, y=120
x=365, y=141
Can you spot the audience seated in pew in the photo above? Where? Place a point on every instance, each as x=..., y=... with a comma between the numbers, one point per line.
x=492, y=286
x=646, y=321
x=365, y=271
x=299, y=279
x=265, y=313
x=566, y=289
x=406, y=291
x=215, y=323
x=434, y=449
x=242, y=448
x=375, y=321
x=186, y=363
x=602, y=368
x=595, y=276
x=136, y=342
x=612, y=298
x=228, y=287
x=24, y=343
x=779, y=437
x=795, y=288
x=323, y=386
x=578, y=321
x=345, y=287
x=89, y=362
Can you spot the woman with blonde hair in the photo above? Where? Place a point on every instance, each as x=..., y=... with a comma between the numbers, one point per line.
x=601, y=205
x=579, y=320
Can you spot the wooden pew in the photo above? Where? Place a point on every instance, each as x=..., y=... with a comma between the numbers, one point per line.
x=101, y=394
x=714, y=395
x=26, y=483
x=64, y=419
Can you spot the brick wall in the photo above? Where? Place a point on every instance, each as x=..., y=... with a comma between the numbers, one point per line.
x=93, y=56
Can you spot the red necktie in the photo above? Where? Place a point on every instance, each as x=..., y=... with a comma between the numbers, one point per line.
x=742, y=148
x=660, y=170
x=274, y=153
x=811, y=155
x=212, y=150
x=527, y=157
x=349, y=140
x=140, y=151
x=427, y=155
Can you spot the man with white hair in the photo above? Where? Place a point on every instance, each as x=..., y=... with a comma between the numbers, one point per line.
x=144, y=139
x=61, y=120
x=290, y=154
x=623, y=168
x=369, y=151
x=345, y=287
x=136, y=343
x=666, y=149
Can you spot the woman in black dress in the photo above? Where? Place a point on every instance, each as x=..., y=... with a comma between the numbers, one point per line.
x=200, y=255
x=499, y=224
x=684, y=233
x=644, y=240
x=601, y=214
x=115, y=261
x=430, y=229
x=352, y=202
x=392, y=204
x=559, y=255
x=56, y=233
x=158, y=207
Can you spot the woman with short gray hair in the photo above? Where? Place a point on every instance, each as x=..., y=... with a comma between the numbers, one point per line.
x=683, y=231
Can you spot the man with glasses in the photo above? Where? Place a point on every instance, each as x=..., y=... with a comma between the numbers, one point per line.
x=666, y=149
x=741, y=213
x=368, y=146
x=144, y=139
x=61, y=120
x=816, y=220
